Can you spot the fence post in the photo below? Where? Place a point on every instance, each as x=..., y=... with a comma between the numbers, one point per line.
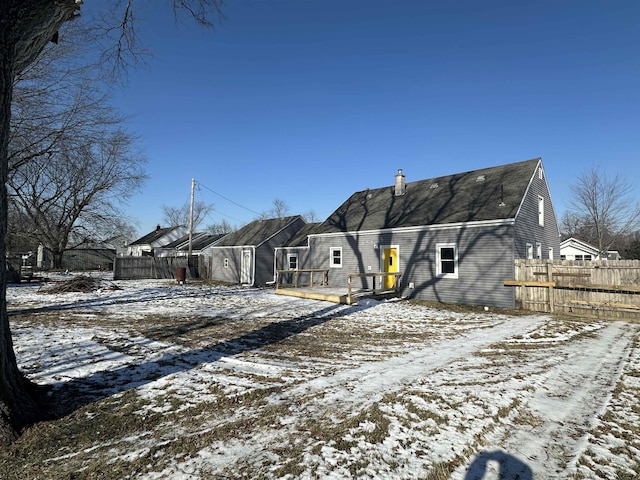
x=551, y=287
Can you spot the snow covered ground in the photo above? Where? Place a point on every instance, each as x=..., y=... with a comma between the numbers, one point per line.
x=231, y=382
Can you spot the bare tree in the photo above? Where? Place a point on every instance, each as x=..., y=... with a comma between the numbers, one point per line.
x=311, y=216
x=26, y=26
x=602, y=208
x=181, y=215
x=75, y=193
x=279, y=210
x=221, y=227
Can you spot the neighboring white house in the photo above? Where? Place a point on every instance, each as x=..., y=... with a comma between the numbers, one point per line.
x=574, y=249
x=160, y=237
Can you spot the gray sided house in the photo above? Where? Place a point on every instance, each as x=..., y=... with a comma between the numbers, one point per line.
x=246, y=255
x=454, y=238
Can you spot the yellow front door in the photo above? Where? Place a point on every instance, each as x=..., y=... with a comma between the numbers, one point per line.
x=390, y=259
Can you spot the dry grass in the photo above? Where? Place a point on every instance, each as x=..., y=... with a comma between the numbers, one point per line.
x=128, y=434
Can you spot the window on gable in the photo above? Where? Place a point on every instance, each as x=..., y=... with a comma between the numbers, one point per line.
x=541, y=211
x=335, y=257
x=292, y=260
x=538, y=250
x=447, y=260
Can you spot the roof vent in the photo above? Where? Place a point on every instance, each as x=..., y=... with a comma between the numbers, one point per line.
x=481, y=178
x=400, y=184
x=434, y=185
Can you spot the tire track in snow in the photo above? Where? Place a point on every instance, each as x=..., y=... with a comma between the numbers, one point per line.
x=569, y=396
x=368, y=383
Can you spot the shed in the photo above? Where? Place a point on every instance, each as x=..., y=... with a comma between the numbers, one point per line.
x=246, y=256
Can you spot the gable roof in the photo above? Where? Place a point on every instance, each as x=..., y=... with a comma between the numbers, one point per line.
x=154, y=235
x=257, y=232
x=585, y=247
x=494, y=193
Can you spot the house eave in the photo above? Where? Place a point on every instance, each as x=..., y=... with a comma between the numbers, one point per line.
x=422, y=228
x=533, y=176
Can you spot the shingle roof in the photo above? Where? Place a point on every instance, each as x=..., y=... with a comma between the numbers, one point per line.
x=198, y=241
x=205, y=239
x=153, y=236
x=177, y=243
x=256, y=232
x=300, y=239
x=479, y=195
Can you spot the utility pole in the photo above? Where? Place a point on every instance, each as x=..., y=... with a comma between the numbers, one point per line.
x=193, y=187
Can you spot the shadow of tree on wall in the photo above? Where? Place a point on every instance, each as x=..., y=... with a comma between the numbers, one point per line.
x=389, y=211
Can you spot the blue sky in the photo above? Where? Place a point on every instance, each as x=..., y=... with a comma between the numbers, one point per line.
x=309, y=101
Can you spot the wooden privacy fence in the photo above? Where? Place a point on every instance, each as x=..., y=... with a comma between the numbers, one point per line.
x=604, y=289
x=137, y=268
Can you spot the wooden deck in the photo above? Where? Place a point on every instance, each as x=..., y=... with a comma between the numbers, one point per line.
x=315, y=293
x=303, y=286
x=335, y=295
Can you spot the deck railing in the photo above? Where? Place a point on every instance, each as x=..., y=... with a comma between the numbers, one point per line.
x=375, y=291
x=299, y=277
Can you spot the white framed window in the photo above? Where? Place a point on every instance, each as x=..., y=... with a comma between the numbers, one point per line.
x=529, y=251
x=538, y=250
x=226, y=263
x=335, y=257
x=447, y=260
x=292, y=261
x=550, y=253
x=541, y=211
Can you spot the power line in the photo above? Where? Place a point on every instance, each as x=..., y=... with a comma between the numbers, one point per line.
x=228, y=199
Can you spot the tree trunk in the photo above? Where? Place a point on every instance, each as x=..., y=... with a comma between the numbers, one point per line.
x=25, y=28
x=56, y=260
x=16, y=406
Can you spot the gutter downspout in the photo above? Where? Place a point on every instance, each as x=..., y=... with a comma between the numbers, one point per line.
x=275, y=275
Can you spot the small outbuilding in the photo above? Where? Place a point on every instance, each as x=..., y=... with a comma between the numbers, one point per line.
x=246, y=255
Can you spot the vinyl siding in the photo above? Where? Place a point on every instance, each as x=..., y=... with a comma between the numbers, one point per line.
x=265, y=271
x=485, y=260
x=263, y=268
x=219, y=272
x=527, y=228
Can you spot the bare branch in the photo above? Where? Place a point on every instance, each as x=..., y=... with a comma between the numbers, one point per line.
x=602, y=208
